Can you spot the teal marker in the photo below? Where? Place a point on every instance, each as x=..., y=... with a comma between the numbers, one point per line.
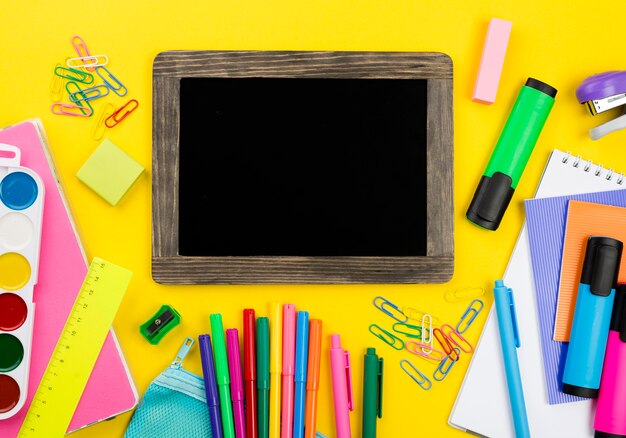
x=263, y=375
x=512, y=152
x=222, y=374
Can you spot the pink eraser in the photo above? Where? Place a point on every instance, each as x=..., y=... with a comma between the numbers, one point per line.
x=492, y=61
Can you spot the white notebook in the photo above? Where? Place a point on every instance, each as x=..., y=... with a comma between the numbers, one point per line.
x=482, y=406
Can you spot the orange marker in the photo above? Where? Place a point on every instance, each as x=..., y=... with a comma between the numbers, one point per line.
x=313, y=376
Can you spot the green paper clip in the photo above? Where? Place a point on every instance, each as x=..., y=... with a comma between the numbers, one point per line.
x=387, y=337
x=408, y=330
x=160, y=324
x=74, y=75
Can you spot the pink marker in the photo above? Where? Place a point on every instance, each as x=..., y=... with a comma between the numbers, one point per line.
x=342, y=386
x=492, y=61
x=289, y=369
x=236, y=382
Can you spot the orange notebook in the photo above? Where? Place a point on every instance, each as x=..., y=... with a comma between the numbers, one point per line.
x=584, y=219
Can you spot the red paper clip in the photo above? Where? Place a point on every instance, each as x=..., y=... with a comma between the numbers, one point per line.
x=445, y=344
x=123, y=111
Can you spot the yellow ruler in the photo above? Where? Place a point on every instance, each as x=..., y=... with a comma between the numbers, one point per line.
x=76, y=351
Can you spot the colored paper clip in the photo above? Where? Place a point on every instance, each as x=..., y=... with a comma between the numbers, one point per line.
x=56, y=87
x=445, y=366
x=119, y=115
x=74, y=75
x=81, y=49
x=66, y=109
x=389, y=309
x=417, y=315
x=90, y=93
x=387, y=337
x=111, y=81
x=427, y=339
x=405, y=329
x=455, y=338
x=445, y=344
x=88, y=61
x=465, y=293
x=434, y=356
x=424, y=382
x=469, y=316
x=100, y=128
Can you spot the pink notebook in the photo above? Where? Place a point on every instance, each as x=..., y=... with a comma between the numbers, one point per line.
x=62, y=269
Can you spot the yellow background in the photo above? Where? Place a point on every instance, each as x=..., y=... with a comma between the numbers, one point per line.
x=560, y=45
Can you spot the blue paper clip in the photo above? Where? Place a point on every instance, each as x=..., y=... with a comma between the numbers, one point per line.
x=111, y=81
x=469, y=316
x=388, y=338
x=90, y=93
x=415, y=374
x=384, y=305
x=445, y=366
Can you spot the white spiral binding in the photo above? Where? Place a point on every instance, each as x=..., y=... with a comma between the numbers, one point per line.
x=611, y=175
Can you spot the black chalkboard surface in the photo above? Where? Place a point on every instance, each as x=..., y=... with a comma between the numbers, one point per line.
x=302, y=167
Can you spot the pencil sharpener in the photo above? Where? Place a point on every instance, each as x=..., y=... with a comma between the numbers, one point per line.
x=160, y=324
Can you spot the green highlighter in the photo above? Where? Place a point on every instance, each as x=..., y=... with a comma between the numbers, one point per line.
x=222, y=374
x=263, y=374
x=372, y=392
x=512, y=152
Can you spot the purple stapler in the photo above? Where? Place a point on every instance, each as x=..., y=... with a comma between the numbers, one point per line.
x=601, y=93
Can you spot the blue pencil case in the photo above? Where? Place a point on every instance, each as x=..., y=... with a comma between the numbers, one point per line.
x=174, y=404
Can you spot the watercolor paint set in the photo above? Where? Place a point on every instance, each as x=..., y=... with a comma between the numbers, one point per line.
x=21, y=213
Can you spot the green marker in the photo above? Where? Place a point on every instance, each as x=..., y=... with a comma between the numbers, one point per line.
x=372, y=392
x=222, y=374
x=512, y=152
x=263, y=374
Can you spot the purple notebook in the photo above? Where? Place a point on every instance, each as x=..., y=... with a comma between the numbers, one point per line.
x=546, y=219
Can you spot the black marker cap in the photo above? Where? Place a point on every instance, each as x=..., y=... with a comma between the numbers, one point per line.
x=601, y=266
x=491, y=199
x=541, y=86
x=580, y=391
x=618, y=318
x=599, y=434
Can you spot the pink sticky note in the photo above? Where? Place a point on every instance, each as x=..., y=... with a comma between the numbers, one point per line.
x=492, y=61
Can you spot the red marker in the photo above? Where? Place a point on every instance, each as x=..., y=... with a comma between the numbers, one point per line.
x=249, y=372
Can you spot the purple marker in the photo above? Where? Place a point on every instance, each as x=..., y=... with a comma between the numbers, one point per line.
x=236, y=382
x=210, y=385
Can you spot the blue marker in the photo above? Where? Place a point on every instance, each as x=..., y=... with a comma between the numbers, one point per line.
x=302, y=354
x=592, y=317
x=509, y=338
x=210, y=385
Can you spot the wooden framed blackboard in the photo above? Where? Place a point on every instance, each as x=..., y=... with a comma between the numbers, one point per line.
x=302, y=167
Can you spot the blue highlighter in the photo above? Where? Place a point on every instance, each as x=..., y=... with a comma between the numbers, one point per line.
x=302, y=353
x=592, y=317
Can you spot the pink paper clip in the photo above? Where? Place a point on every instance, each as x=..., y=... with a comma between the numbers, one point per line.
x=455, y=338
x=81, y=48
x=434, y=356
x=65, y=109
x=121, y=113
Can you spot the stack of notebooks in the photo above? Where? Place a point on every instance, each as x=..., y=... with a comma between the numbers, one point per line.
x=575, y=199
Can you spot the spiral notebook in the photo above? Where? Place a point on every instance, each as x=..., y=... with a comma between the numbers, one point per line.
x=482, y=405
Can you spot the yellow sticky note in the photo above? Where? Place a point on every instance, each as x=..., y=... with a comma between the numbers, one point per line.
x=110, y=172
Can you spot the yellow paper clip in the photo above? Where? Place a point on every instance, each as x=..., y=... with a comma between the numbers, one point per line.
x=387, y=337
x=415, y=374
x=389, y=309
x=100, y=128
x=88, y=61
x=469, y=316
x=455, y=338
x=417, y=315
x=445, y=366
x=434, y=356
x=427, y=330
x=465, y=293
x=81, y=49
x=56, y=87
x=111, y=81
x=71, y=110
